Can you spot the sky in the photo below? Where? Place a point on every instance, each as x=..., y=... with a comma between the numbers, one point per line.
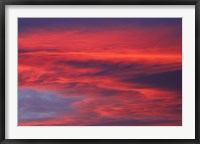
x=99, y=71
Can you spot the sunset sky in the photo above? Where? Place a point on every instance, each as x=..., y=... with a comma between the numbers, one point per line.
x=99, y=71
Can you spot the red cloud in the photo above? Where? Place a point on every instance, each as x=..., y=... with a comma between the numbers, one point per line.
x=95, y=64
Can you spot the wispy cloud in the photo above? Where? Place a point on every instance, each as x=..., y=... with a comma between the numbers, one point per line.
x=114, y=72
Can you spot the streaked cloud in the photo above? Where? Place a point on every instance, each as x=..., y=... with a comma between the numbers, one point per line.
x=100, y=71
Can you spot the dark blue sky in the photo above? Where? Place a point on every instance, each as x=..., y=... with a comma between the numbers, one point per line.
x=31, y=23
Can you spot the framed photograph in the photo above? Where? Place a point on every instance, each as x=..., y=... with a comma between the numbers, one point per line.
x=100, y=72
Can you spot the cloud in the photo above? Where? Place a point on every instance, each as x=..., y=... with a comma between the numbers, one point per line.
x=171, y=80
x=103, y=74
x=119, y=110
x=80, y=37
x=36, y=105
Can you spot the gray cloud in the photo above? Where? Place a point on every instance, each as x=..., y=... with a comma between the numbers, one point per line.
x=33, y=104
